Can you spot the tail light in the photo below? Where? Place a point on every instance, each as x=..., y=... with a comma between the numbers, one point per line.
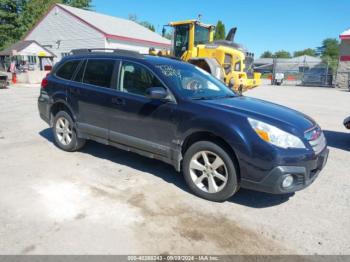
x=45, y=82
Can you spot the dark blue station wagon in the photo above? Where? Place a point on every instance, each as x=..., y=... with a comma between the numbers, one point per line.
x=175, y=112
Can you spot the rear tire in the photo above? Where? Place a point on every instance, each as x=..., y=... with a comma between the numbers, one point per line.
x=65, y=134
x=210, y=172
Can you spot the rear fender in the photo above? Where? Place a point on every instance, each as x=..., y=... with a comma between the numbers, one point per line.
x=60, y=98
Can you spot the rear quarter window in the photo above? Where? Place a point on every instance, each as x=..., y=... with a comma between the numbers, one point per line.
x=67, y=70
x=99, y=72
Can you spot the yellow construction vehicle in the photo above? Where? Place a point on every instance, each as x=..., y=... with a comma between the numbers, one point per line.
x=193, y=42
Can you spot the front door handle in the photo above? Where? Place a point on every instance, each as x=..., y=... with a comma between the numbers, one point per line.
x=118, y=101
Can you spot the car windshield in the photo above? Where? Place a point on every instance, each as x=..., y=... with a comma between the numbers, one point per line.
x=195, y=83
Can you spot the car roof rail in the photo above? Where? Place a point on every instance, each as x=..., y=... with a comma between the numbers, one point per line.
x=107, y=51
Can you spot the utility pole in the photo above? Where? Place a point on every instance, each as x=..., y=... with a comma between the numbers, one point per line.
x=326, y=78
x=274, y=70
x=302, y=80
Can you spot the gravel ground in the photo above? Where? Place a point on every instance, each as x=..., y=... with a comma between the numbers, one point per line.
x=105, y=201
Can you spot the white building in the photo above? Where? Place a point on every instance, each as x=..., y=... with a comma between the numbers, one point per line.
x=29, y=53
x=28, y=59
x=343, y=73
x=64, y=28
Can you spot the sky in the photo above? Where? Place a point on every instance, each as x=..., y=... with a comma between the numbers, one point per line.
x=262, y=24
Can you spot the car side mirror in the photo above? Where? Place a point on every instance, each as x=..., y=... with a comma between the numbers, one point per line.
x=347, y=122
x=158, y=93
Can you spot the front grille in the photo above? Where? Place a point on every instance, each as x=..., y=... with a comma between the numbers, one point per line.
x=316, y=139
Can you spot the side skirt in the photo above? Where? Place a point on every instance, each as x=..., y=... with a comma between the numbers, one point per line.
x=174, y=159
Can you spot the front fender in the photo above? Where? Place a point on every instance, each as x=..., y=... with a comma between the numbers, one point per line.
x=226, y=131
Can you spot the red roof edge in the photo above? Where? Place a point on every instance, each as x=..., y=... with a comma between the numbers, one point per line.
x=344, y=37
x=135, y=40
x=116, y=37
x=345, y=58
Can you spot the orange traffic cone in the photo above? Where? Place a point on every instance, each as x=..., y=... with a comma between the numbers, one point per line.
x=14, y=78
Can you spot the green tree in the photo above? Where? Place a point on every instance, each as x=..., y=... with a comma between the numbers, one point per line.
x=133, y=17
x=220, y=32
x=267, y=54
x=33, y=10
x=10, y=25
x=282, y=54
x=329, y=48
x=329, y=52
x=148, y=25
x=84, y=4
x=307, y=51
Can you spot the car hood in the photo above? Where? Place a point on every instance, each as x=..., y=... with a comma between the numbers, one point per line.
x=265, y=111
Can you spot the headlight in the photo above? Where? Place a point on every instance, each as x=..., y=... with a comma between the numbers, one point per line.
x=275, y=135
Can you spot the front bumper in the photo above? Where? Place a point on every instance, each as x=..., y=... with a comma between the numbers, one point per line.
x=303, y=175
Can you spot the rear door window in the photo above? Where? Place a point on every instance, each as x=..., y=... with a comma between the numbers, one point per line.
x=67, y=70
x=99, y=72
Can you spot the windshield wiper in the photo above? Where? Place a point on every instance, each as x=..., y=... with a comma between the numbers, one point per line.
x=227, y=96
x=213, y=97
x=202, y=98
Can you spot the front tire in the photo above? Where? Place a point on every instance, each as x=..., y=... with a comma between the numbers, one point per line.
x=240, y=90
x=210, y=172
x=65, y=134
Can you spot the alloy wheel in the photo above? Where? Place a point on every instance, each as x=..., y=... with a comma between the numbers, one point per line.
x=64, y=131
x=208, y=172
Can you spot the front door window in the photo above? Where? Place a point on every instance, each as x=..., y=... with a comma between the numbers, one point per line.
x=136, y=79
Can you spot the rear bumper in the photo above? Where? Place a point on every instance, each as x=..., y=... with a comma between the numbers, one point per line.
x=304, y=175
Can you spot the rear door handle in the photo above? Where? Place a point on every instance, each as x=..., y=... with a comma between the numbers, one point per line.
x=118, y=101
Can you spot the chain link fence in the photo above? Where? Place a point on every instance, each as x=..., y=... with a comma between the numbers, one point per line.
x=304, y=71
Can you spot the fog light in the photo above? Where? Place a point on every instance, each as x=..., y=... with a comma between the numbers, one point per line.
x=287, y=181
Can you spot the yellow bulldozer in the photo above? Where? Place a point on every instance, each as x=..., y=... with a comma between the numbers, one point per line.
x=193, y=41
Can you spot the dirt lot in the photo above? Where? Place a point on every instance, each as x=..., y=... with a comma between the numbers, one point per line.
x=106, y=201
